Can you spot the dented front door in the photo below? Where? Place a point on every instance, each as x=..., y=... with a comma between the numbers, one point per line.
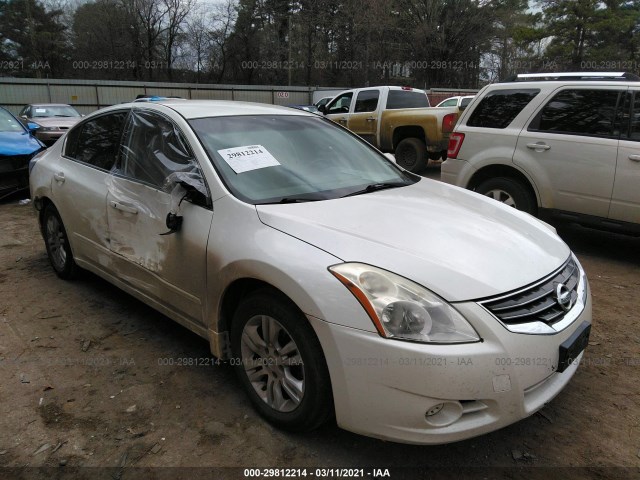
x=169, y=268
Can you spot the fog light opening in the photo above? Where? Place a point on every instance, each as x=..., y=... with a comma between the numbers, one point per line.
x=443, y=414
x=435, y=409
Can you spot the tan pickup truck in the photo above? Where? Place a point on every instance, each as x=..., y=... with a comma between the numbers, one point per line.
x=397, y=120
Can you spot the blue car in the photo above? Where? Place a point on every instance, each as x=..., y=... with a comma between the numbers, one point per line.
x=17, y=147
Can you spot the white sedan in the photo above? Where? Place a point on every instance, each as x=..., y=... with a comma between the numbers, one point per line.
x=336, y=282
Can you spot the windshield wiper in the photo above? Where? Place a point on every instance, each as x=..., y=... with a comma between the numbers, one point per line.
x=294, y=200
x=374, y=187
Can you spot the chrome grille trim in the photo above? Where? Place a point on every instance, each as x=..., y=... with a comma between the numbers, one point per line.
x=535, y=309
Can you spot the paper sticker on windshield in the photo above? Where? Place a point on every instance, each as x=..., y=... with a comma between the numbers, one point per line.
x=41, y=110
x=245, y=159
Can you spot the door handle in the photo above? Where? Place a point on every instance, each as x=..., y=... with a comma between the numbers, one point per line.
x=635, y=158
x=123, y=208
x=371, y=119
x=343, y=120
x=538, y=146
x=59, y=177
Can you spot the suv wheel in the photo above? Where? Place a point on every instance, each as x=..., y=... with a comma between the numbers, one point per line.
x=410, y=154
x=510, y=192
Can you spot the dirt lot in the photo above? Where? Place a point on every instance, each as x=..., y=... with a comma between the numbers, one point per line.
x=90, y=377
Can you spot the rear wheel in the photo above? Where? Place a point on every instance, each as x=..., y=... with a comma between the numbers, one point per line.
x=410, y=154
x=510, y=192
x=280, y=363
x=57, y=243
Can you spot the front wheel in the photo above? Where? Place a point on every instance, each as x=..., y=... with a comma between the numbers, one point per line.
x=410, y=154
x=57, y=243
x=280, y=363
x=510, y=192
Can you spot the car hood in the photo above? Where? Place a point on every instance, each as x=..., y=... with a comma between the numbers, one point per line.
x=458, y=244
x=18, y=143
x=56, y=121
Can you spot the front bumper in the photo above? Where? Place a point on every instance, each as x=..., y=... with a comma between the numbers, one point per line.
x=14, y=174
x=433, y=394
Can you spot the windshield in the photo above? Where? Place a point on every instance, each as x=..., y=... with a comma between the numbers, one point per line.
x=281, y=158
x=8, y=123
x=39, y=111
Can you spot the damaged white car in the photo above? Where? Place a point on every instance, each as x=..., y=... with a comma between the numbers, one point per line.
x=334, y=281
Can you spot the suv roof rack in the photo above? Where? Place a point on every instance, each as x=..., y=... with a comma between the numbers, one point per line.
x=584, y=76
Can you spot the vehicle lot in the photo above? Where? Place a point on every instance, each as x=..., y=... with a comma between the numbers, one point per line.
x=93, y=377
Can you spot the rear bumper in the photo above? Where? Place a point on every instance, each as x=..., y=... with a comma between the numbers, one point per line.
x=456, y=172
x=49, y=137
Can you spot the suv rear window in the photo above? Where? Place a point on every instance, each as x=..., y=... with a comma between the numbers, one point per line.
x=406, y=99
x=498, y=108
x=579, y=112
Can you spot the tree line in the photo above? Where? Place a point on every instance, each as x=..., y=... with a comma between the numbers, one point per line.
x=424, y=43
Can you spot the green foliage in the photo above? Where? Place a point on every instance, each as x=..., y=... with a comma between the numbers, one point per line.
x=424, y=43
x=32, y=36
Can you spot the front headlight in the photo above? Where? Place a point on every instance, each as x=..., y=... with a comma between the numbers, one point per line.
x=402, y=309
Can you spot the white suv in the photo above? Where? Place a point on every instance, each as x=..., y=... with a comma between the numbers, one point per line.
x=558, y=145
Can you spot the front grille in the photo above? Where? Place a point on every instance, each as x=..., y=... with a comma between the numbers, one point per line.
x=540, y=302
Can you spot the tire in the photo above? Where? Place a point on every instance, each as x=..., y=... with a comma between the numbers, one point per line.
x=57, y=244
x=510, y=192
x=294, y=396
x=410, y=154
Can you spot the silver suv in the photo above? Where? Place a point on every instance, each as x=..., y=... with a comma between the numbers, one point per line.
x=555, y=145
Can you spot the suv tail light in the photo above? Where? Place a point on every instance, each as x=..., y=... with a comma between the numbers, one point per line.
x=455, y=142
x=448, y=122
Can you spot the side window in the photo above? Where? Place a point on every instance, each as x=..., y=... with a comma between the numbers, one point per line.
x=406, y=99
x=579, y=112
x=632, y=119
x=341, y=104
x=498, y=108
x=96, y=141
x=450, y=103
x=465, y=102
x=153, y=149
x=367, y=101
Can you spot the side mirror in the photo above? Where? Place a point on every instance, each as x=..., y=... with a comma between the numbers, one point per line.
x=193, y=195
x=24, y=117
x=323, y=109
x=32, y=126
x=462, y=107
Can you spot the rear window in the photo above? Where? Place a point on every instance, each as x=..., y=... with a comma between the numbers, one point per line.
x=579, y=112
x=498, y=108
x=406, y=99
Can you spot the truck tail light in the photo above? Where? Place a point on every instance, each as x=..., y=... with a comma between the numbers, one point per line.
x=448, y=122
x=455, y=142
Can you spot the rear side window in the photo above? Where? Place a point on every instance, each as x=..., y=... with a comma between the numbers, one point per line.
x=579, y=112
x=406, y=99
x=367, y=101
x=498, y=108
x=96, y=141
x=631, y=118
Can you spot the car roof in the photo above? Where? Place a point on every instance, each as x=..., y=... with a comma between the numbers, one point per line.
x=213, y=108
x=49, y=105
